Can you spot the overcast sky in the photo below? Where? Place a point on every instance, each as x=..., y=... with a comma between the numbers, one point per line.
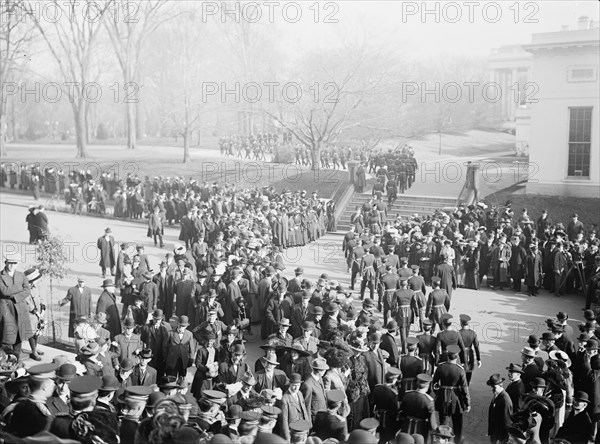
x=403, y=22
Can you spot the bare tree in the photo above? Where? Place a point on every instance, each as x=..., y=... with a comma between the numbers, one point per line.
x=15, y=39
x=71, y=41
x=338, y=83
x=129, y=25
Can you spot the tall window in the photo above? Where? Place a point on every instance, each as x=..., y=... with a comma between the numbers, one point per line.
x=580, y=132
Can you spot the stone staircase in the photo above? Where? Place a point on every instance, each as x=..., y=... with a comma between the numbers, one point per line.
x=406, y=205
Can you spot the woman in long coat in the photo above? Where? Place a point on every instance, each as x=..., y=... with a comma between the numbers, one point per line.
x=471, y=259
x=361, y=178
x=533, y=270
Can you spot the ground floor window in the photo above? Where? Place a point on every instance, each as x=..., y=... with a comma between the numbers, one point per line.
x=580, y=133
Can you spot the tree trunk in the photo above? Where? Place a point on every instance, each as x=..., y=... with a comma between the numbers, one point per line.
x=131, y=125
x=315, y=155
x=186, y=145
x=80, y=128
x=3, y=131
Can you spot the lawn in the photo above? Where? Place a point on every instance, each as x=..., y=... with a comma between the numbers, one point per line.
x=205, y=165
x=559, y=208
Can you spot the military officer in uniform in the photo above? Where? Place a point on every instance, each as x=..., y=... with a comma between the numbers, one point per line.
x=390, y=282
x=453, y=398
x=438, y=302
x=448, y=337
x=427, y=346
x=471, y=344
x=416, y=284
x=385, y=398
x=417, y=411
x=410, y=366
x=84, y=392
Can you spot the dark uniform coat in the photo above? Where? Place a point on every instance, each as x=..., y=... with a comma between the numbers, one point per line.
x=453, y=394
x=327, y=425
x=417, y=414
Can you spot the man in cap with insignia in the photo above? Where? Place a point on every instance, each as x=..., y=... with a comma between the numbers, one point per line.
x=404, y=315
x=385, y=400
x=390, y=282
x=417, y=411
x=416, y=283
x=268, y=420
x=133, y=402
x=84, y=392
x=299, y=431
x=453, y=397
x=438, y=303
x=328, y=423
x=41, y=386
x=427, y=347
x=448, y=337
x=411, y=365
x=471, y=344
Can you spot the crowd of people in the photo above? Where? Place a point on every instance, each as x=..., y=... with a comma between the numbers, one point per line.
x=395, y=171
x=554, y=389
x=253, y=147
x=387, y=367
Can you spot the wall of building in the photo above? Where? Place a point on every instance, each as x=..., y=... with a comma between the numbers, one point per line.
x=549, y=131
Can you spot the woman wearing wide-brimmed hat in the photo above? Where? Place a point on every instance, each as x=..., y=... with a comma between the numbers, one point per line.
x=358, y=386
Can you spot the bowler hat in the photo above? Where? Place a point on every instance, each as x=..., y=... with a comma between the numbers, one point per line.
x=514, y=368
x=581, y=396
x=495, y=379
x=129, y=323
x=295, y=378
x=107, y=283
x=184, y=321
x=66, y=372
x=538, y=383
